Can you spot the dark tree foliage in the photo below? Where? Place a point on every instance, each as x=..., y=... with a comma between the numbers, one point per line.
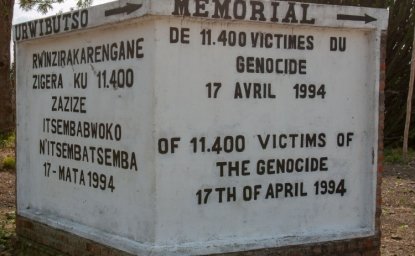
x=399, y=49
x=43, y=6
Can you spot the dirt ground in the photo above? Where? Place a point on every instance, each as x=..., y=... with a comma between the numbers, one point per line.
x=7, y=206
x=398, y=210
x=398, y=218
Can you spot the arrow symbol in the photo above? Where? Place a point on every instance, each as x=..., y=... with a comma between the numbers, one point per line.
x=366, y=18
x=128, y=8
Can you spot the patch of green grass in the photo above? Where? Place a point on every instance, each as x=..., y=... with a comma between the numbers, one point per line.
x=7, y=229
x=395, y=156
x=8, y=140
x=10, y=216
x=9, y=163
x=5, y=234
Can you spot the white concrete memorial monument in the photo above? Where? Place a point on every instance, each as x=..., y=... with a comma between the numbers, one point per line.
x=177, y=127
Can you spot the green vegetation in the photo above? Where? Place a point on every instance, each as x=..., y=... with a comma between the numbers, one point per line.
x=9, y=163
x=4, y=236
x=7, y=159
x=8, y=140
x=43, y=6
x=394, y=156
x=7, y=229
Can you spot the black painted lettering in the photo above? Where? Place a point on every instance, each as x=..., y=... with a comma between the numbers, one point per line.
x=310, y=42
x=290, y=165
x=239, y=9
x=305, y=19
x=32, y=28
x=253, y=91
x=285, y=190
x=75, y=22
x=80, y=80
x=181, y=7
x=200, y=6
x=221, y=10
x=240, y=65
x=66, y=17
x=54, y=108
x=41, y=27
x=290, y=17
x=338, y=44
x=168, y=146
x=274, y=6
x=179, y=35
x=56, y=23
x=48, y=26
x=24, y=31
x=73, y=104
x=257, y=11
x=269, y=65
x=84, y=18
x=233, y=168
x=17, y=32
x=174, y=35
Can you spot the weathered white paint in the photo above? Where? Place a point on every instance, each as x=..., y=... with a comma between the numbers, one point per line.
x=155, y=210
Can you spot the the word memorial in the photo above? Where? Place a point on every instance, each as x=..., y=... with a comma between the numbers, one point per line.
x=181, y=127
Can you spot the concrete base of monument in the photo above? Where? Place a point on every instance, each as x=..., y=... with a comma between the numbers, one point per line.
x=50, y=236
